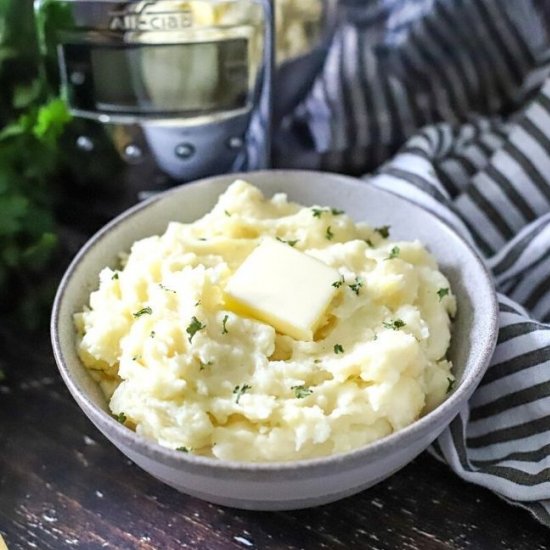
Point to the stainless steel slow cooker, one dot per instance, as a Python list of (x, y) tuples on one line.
[(169, 90)]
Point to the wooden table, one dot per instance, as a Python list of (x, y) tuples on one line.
[(63, 485)]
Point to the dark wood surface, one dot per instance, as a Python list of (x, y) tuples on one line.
[(62, 485)]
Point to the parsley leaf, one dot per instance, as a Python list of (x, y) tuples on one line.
[(152, 334), (194, 327), (239, 391), (317, 212), (442, 292), (114, 277), (338, 349), (370, 243), (224, 323), (396, 324), (121, 417), (290, 242), (145, 311), (30, 159), (329, 235), (183, 449), (356, 286), (338, 284), (228, 214), (383, 231), (301, 391), (394, 253)]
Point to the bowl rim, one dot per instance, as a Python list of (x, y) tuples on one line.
[(130, 439)]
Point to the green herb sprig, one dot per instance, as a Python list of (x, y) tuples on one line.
[(291, 243), (442, 292), (318, 212), (239, 391), (224, 325), (144, 311), (301, 391), (194, 327), (396, 324), (121, 417), (383, 231), (338, 284), (394, 253), (357, 285)]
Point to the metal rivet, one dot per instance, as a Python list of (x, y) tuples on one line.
[(132, 152), (184, 151), (85, 144), (235, 142)]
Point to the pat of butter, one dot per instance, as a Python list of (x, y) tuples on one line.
[(283, 287)]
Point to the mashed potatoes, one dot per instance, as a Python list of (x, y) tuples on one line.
[(183, 369)]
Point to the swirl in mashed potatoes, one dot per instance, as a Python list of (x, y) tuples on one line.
[(182, 368)]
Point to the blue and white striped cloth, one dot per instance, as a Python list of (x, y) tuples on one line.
[(448, 101)]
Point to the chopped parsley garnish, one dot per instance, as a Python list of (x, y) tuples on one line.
[(228, 214), (338, 349), (198, 303), (152, 334), (394, 253), (369, 242), (301, 391), (204, 365), (338, 284), (136, 358), (317, 361), (396, 324), (120, 417), (166, 288), (183, 449), (290, 242), (224, 325), (239, 391), (356, 286), (145, 311), (114, 277), (194, 327), (383, 231), (451, 385), (317, 212), (329, 235), (442, 292)]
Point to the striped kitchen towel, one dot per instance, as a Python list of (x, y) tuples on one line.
[(461, 89)]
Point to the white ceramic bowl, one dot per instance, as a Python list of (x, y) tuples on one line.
[(284, 486)]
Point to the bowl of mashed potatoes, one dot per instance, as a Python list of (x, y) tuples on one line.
[(276, 340)]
